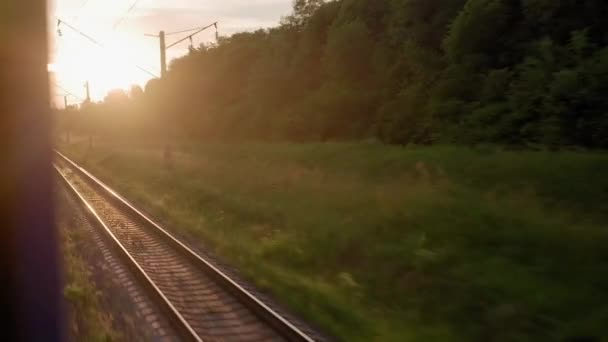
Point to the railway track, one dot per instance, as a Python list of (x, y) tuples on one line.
[(201, 302)]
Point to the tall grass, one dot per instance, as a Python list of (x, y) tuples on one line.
[(394, 244), (88, 321)]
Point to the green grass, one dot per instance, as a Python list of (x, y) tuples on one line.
[(393, 244), (88, 321)]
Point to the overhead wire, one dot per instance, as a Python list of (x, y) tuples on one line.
[(125, 15), (183, 31), (89, 38), (192, 35), (96, 42), (68, 92), (84, 3), (80, 8), (133, 5)]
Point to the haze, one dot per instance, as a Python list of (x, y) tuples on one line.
[(75, 60)]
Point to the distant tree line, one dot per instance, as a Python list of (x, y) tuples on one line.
[(521, 72)]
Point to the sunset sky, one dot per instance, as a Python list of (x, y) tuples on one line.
[(74, 59)]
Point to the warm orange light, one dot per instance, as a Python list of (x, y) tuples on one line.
[(114, 66), (76, 60)]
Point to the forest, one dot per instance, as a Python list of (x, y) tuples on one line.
[(525, 73)]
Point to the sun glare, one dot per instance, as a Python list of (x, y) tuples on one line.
[(76, 59), (105, 69)]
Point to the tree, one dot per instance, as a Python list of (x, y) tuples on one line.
[(136, 92), (302, 11), (405, 71), (348, 53), (116, 96)]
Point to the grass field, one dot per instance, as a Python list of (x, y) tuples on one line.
[(393, 244), (87, 320)]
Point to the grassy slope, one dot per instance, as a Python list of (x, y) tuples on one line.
[(88, 321), (393, 244)]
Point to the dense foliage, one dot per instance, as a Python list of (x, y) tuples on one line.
[(522, 72)]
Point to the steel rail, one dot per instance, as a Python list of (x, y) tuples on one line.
[(178, 322), (268, 315)]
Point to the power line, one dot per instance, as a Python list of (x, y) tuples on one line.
[(84, 3), (193, 34), (163, 48), (79, 10), (183, 31), (125, 15), (68, 92), (96, 42), (89, 38)]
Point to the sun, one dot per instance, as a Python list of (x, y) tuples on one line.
[(117, 58), (111, 67)]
